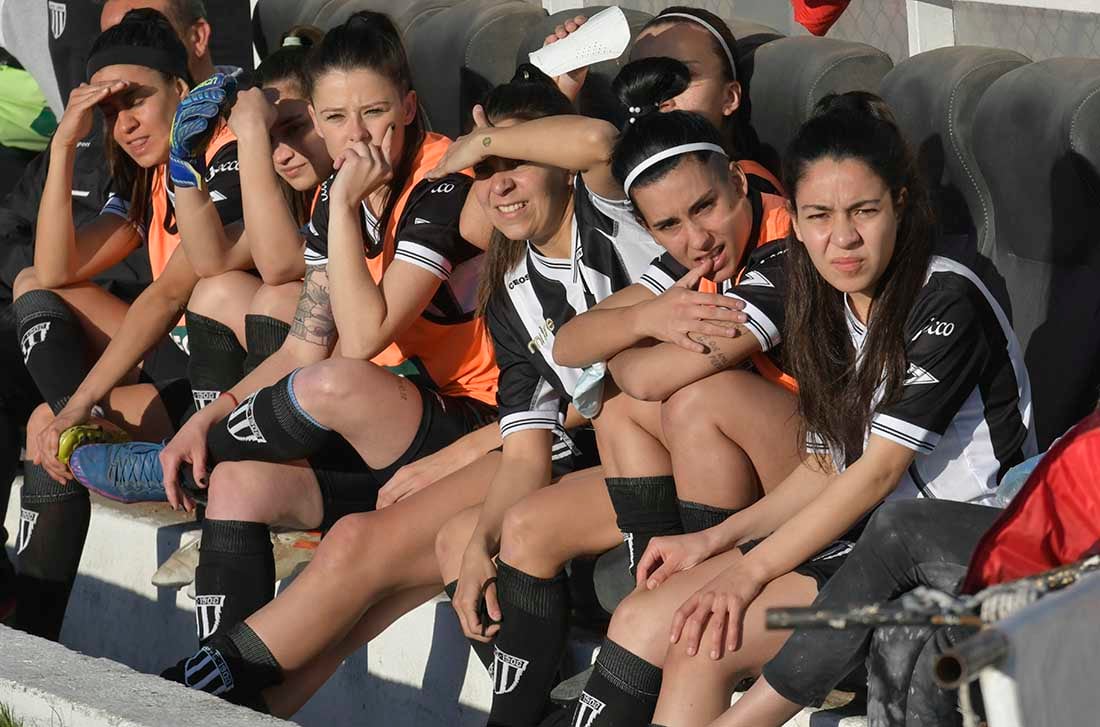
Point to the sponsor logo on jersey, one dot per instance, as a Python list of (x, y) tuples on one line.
[(542, 335), (916, 375), (588, 709), (208, 615), (444, 188), (34, 336), (506, 671), (518, 281), (208, 671), (754, 277), (27, 519), (204, 397), (242, 422), (58, 15), (936, 328), (421, 221), (324, 191), (233, 166)]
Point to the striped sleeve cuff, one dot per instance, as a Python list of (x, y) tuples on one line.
[(904, 433), (424, 257), (760, 325), (521, 420), (119, 207), (656, 280)]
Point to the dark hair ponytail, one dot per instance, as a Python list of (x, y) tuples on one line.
[(141, 28), (836, 389), (370, 40), (647, 83), (652, 133), (530, 95)]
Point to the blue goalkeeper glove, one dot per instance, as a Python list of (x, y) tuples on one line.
[(194, 124)]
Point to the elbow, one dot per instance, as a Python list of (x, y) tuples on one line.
[(207, 267), (45, 278), (280, 273), (601, 138)]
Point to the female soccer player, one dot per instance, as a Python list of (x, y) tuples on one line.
[(582, 247), (911, 384), (138, 76)]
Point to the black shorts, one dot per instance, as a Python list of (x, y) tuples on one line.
[(822, 566), (348, 485)]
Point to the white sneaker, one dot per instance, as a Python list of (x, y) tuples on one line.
[(179, 569)]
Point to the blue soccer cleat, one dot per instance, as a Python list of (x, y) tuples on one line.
[(127, 472)]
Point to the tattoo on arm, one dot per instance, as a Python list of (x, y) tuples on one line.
[(719, 361), (486, 141), (313, 321)]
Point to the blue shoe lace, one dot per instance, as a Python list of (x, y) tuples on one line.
[(135, 471)]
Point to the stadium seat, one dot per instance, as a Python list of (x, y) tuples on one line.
[(933, 95), (1038, 146), (460, 53), (596, 98), (789, 75)]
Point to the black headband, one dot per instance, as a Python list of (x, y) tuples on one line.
[(158, 59)]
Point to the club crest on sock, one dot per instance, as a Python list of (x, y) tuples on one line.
[(242, 422), (588, 709), (506, 671), (27, 519), (207, 671), (204, 397), (628, 538), (32, 337), (208, 615)]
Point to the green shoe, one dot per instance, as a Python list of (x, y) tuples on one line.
[(82, 434)]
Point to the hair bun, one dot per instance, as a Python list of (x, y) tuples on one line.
[(530, 73), (643, 85), (862, 103), (301, 36)]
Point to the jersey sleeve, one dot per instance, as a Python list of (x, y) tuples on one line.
[(118, 205), (429, 236), (525, 399), (946, 350), (662, 274), (223, 182), (762, 287), (315, 231)]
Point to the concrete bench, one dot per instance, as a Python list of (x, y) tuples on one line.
[(419, 672)]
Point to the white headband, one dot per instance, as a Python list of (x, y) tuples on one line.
[(668, 154), (712, 30)]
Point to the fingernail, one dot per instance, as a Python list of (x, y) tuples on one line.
[(691, 652), (714, 654)]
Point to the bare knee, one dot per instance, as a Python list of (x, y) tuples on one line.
[(25, 281), (527, 541), (703, 668), (641, 626), (346, 545), (216, 297), (331, 385), (276, 301)]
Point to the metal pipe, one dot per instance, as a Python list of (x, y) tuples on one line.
[(961, 664)]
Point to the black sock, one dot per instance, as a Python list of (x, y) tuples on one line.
[(235, 576), (534, 616), (697, 517), (264, 336), (645, 507), (268, 426), (53, 345), (484, 651), (216, 362), (53, 524), (621, 692), (235, 666)]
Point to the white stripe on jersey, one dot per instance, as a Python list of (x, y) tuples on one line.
[(423, 257)]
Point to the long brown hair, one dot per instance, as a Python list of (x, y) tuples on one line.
[(528, 96), (370, 40), (836, 388)]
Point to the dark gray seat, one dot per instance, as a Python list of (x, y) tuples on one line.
[(789, 75), (596, 98), (461, 52), (1037, 143), (934, 95)]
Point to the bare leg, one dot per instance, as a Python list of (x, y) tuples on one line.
[(225, 298), (630, 438), (697, 689), (330, 597), (276, 301), (729, 434), (283, 493), (761, 706)]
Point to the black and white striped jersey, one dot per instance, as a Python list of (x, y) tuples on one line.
[(965, 407), (427, 235), (539, 295)]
